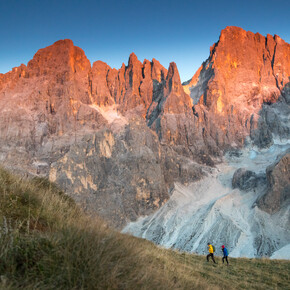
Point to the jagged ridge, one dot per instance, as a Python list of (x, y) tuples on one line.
[(48, 106)]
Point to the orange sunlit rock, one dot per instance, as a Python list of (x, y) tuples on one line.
[(244, 70), (59, 91)]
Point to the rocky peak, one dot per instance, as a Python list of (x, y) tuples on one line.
[(244, 71), (100, 93), (159, 72), (99, 67), (136, 84), (133, 74), (10, 79), (146, 69), (170, 102), (267, 57), (61, 56), (133, 59), (173, 81), (232, 32)]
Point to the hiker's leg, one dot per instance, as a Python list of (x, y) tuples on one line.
[(213, 259), (207, 257), (227, 259), (223, 259)]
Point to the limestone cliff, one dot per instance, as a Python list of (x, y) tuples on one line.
[(123, 175), (243, 72), (63, 118)]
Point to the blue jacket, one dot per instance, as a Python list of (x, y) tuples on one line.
[(225, 251)]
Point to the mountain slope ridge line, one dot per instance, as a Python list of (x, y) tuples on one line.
[(58, 119)]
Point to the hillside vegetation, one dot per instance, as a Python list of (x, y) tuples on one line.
[(47, 242)]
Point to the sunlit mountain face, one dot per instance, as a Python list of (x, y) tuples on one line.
[(179, 164)]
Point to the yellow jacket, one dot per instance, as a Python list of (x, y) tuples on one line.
[(210, 249)]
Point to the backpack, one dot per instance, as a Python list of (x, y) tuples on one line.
[(213, 248)]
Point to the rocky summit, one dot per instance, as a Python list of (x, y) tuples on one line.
[(244, 72), (119, 140)]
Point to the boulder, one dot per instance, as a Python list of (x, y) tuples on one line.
[(244, 179), (278, 183)]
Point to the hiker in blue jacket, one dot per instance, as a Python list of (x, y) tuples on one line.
[(225, 252)]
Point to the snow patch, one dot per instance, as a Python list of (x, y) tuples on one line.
[(283, 253), (111, 115)]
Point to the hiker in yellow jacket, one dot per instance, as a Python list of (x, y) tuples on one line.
[(211, 251)]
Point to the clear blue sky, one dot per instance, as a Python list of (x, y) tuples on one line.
[(109, 30)]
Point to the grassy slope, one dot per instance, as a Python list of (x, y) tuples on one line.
[(47, 242)]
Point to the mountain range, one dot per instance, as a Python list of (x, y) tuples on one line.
[(123, 142)]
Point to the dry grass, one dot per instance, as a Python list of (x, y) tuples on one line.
[(47, 242)]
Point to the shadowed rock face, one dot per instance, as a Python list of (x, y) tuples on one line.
[(117, 175), (278, 180), (244, 179), (53, 110), (122, 175), (169, 110), (273, 121)]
